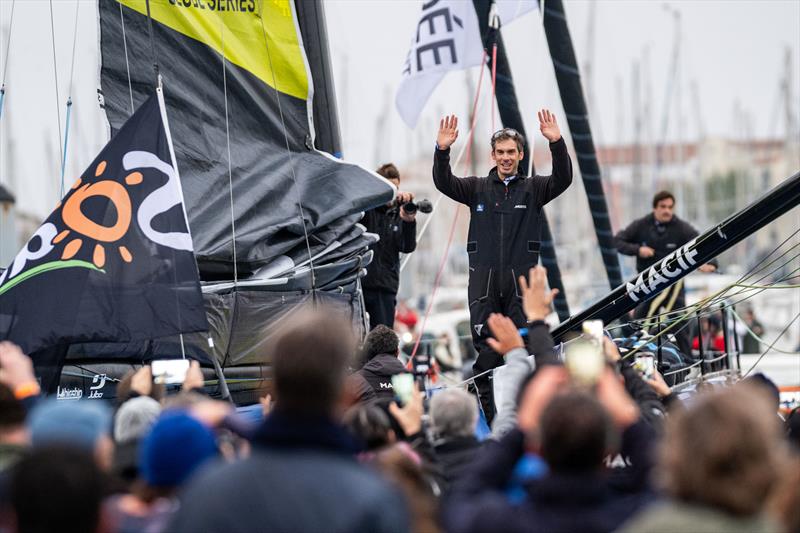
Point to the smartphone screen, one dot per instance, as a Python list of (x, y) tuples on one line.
[(584, 361), (645, 364), (403, 386), (169, 371)]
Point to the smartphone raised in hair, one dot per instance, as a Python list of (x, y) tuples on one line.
[(169, 371)]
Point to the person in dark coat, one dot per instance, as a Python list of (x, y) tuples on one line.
[(504, 229), (454, 415), (397, 229), (381, 348), (571, 431), (650, 239), (302, 474)]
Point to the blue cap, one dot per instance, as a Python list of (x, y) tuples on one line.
[(71, 423), (176, 445)]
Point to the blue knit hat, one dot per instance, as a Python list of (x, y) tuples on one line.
[(176, 445), (73, 423)]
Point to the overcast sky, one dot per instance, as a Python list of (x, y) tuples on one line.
[(734, 51)]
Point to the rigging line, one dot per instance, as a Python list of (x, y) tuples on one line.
[(790, 275), (767, 287), (668, 314), (125, 47), (5, 60), (457, 162), (74, 44), (663, 331), (742, 291), (55, 75), (437, 280), (755, 269), (446, 252), (69, 97), (756, 337), (701, 311), (153, 55), (291, 162), (474, 118), (228, 139), (770, 347), (494, 81)]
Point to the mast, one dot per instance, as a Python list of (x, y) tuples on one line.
[(311, 20), (511, 117), (689, 257), (569, 85)]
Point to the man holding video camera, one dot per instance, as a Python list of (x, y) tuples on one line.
[(396, 225)]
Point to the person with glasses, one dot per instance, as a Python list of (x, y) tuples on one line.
[(504, 229)]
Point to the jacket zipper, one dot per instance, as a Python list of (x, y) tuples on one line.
[(502, 240)]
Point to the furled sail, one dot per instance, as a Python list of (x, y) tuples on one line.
[(235, 74)]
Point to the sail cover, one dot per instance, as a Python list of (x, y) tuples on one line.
[(257, 101)]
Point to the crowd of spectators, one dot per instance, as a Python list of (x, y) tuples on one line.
[(337, 450)]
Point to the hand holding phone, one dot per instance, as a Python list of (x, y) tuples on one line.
[(403, 386), (169, 371)]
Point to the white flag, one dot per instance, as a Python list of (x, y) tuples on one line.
[(447, 37)]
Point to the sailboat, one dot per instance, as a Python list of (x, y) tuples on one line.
[(273, 213)]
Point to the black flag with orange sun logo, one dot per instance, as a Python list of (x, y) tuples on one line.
[(114, 261)]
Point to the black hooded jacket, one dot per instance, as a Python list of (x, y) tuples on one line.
[(378, 372), (396, 236)]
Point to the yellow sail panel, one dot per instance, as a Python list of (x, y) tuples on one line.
[(244, 24)]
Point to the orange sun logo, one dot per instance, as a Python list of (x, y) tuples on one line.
[(76, 221)]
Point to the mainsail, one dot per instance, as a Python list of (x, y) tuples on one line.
[(234, 78), (273, 219)]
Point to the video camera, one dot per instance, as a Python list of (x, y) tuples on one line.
[(423, 206)]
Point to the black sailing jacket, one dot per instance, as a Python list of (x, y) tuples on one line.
[(397, 236), (664, 238), (504, 228)]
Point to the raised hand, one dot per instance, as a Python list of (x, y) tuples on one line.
[(448, 132), (548, 125), (506, 334), (536, 299)]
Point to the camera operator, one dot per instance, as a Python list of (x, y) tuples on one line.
[(396, 225)]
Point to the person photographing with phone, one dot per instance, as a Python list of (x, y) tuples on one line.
[(505, 226)]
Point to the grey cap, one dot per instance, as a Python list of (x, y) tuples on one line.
[(135, 418)]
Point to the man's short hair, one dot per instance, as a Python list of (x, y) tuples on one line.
[(310, 357), (508, 133), (454, 413), (725, 451), (576, 433), (662, 195), (54, 487), (381, 339), (389, 171)]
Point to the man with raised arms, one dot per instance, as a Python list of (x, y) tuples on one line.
[(505, 226)]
